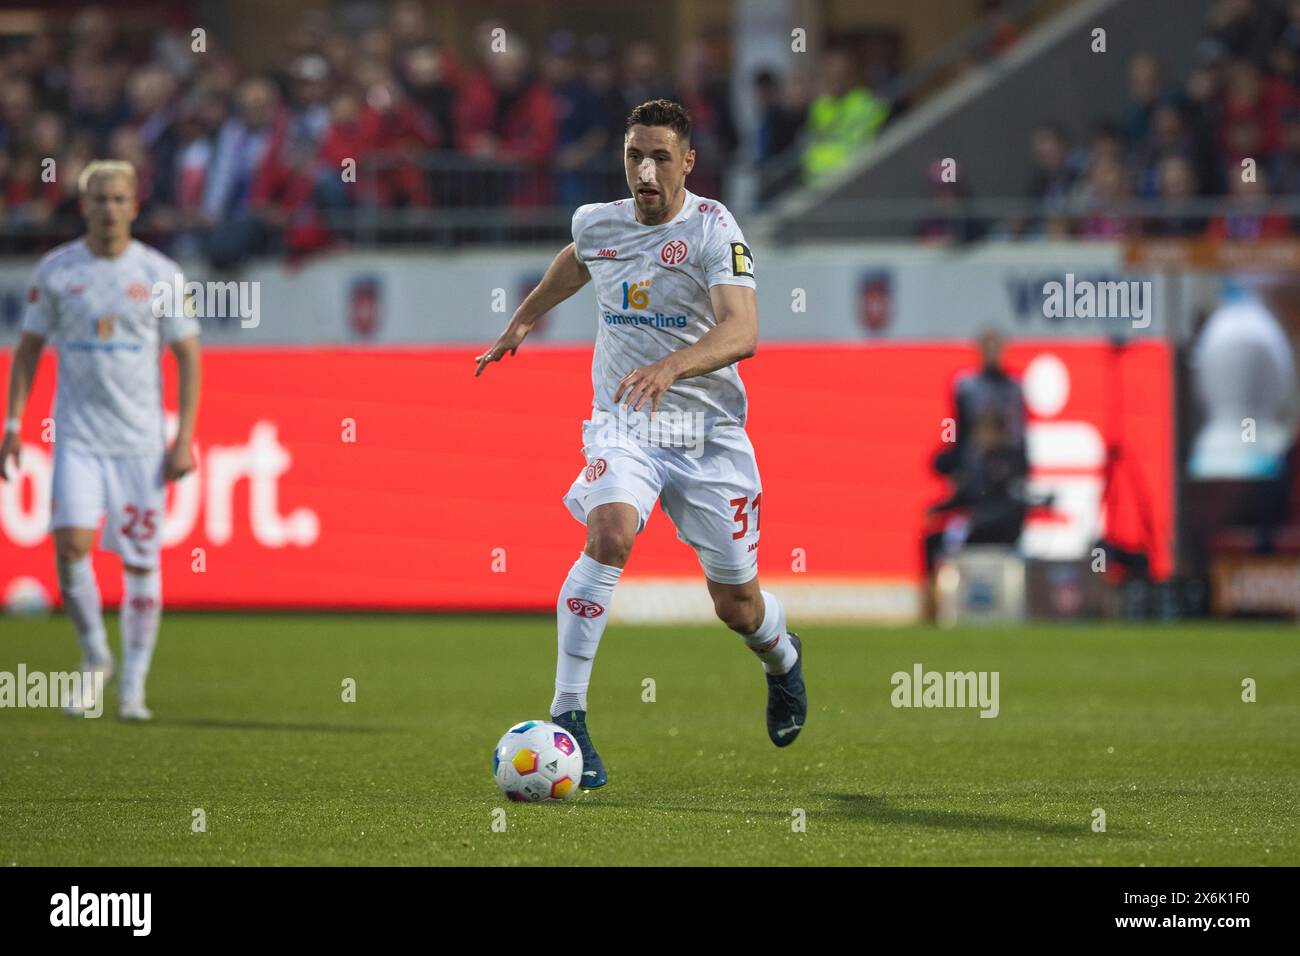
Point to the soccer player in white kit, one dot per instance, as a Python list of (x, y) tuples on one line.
[(675, 287), (93, 300)]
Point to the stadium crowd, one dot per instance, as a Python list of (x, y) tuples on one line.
[(1184, 137), (232, 164)]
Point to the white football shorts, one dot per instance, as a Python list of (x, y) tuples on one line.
[(127, 493), (712, 500)]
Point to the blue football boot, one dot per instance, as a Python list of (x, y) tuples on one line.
[(787, 700), (593, 769)]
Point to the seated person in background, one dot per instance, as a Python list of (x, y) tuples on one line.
[(990, 487), (990, 390)]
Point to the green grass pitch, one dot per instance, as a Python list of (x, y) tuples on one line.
[(1146, 723)]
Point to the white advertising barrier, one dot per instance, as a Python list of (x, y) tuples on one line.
[(839, 292)]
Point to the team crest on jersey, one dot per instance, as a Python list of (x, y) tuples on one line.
[(584, 608), (742, 263), (595, 469), (104, 326), (137, 292), (673, 252), (33, 294)]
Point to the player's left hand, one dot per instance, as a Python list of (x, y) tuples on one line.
[(648, 381), (179, 462)]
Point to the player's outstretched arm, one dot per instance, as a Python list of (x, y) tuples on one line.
[(735, 337), (189, 376), (565, 276), (21, 374)]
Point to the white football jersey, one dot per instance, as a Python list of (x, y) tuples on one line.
[(97, 313), (652, 291)]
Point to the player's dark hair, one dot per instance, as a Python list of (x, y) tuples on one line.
[(662, 113)]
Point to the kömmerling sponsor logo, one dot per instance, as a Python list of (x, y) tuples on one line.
[(923, 688), (103, 909), (84, 690)]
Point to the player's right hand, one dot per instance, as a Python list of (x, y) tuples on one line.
[(508, 342), (11, 447)]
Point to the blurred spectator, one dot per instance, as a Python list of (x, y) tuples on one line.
[(644, 77), (248, 176), (601, 70), (1054, 172), (602, 74), (1002, 31), (707, 98), (1284, 170), (1052, 181), (1145, 89), (385, 133), (842, 121), (1250, 218), (431, 75), (1244, 28), (951, 225), (505, 114), (410, 27), (98, 106), (199, 117), (1176, 181), (1285, 56), (1106, 187), (989, 487), (308, 103), (991, 390), (780, 120), (1252, 106), (583, 134), (151, 93)]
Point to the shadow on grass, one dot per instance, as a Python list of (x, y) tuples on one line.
[(868, 808), (211, 724), (591, 800), (877, 809)]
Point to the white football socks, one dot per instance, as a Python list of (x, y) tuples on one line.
[(82, 603), (771, 642), (581, 614), (140, 616)]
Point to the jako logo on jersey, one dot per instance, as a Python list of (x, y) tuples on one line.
[(673, 252), (585, 608), (607, 254), (595, 469), (636, 295)]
